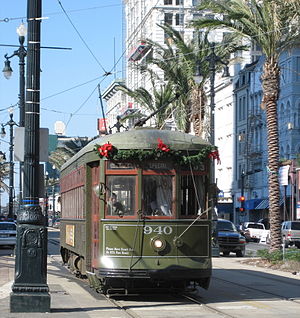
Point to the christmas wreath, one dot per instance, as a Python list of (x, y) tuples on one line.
[(162, 151)]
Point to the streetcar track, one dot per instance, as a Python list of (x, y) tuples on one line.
[(128, 310), (210, 308), (131, 313)]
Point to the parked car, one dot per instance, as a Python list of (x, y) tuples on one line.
[(229, 239), (8, 232), (265, 222), (290, 233), (253, 231)]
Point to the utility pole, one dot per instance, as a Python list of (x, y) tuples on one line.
[(11, 194), (30, 292), (7, 71)]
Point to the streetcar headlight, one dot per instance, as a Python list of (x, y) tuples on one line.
[(158, 244), (107, 262)]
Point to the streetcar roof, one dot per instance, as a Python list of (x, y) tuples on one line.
[(144, 138)]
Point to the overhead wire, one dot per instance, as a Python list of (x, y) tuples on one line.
[(58, 13), (86, 100), (105, 72), (80, 36), (115, 64)]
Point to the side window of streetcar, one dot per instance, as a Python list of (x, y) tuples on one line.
[(193, 195), (157, 195), (120, 196)]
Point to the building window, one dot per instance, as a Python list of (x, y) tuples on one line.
[(298, 69), (168, 2), (179, 2), (179, 19), (168, 18)]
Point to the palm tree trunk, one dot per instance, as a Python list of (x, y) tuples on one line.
[(270, 84), (198, 109)]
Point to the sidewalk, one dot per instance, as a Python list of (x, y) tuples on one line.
[(67, 296)]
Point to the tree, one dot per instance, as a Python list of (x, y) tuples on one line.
[(274, 26), (4, 173), (66, 149), (177, 59), (162, 96)]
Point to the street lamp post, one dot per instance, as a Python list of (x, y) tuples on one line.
[(2, 163), (30, 292), (46, 198), (7, 72), (11, 123), (212, 60)]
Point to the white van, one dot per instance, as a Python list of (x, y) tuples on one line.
[(290, 233)]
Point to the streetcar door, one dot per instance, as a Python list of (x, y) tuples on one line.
[(94, 208)]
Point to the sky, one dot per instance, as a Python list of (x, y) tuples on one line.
[(69, 78)]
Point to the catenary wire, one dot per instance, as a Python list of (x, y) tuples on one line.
[(80, 36), (58, 13)]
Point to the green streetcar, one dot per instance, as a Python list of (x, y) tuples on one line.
[(136, 211)]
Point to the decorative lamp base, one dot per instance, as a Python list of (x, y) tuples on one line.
[(30, 302)]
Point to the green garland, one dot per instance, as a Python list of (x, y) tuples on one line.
[(180, 157)]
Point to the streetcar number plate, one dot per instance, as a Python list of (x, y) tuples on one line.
[(158, 230)]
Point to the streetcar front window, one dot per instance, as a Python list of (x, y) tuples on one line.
[(193, 195), (120, 195), (157, 195)]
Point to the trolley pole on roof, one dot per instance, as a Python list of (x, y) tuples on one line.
[(30, 292)]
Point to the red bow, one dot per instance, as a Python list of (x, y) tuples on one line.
[(215, 156), (105, 150), (162, 146)]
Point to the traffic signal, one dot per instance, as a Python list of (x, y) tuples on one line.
[(242, 200)]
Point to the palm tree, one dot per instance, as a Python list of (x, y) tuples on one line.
[(4, 173), (161, 96), (177, 59), (274, 26), (66, 150)]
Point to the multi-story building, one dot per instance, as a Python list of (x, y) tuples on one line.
[(143, 18), (251, 138), (116, 106)]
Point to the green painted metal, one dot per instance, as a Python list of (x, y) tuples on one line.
[(139, 138), (128, 243)]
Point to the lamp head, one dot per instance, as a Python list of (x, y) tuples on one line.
[(198, 77), (7, 70), (3, 132), (226, 71), (2, 156), (22, 30)]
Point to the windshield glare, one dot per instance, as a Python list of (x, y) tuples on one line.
[(225, 226)]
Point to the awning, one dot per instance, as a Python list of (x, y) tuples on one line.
[(252, 203), (264, 204)]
